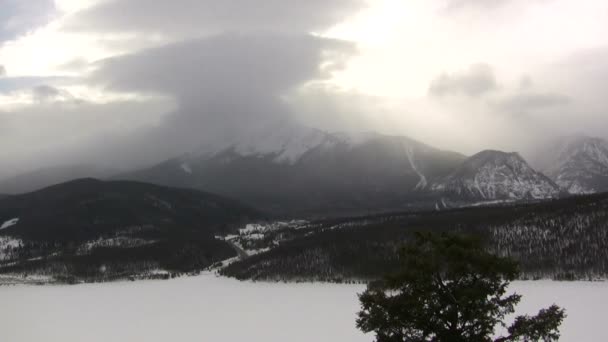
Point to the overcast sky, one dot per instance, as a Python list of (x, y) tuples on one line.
[(131, 82)]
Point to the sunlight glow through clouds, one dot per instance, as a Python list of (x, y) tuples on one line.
[(52, 51), (404, 45)]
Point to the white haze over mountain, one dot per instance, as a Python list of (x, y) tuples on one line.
[(132, 82)]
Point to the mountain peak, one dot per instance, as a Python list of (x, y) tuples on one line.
[(286, 143), (579, 164), (495, 175)]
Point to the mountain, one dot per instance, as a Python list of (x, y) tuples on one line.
[(124, 228), (35, 180), (494, 175), (579, 164), (299, 170)]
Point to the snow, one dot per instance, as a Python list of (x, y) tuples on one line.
[(9, 223), (203, 308), (207, 308), (10, 242), (20, 279), (252, 227), (584, 303), (575, 188), (272, 226), (409, 151), (575, 161), (353, 139), (120, 241), (7, 245), (186, 168), (256, 236), (492, 175), (287, 143)]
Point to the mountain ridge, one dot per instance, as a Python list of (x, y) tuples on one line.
[(579, 164), (497, 175), (311, 171), (295, 170)]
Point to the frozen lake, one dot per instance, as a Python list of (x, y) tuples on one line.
[(206, 308)]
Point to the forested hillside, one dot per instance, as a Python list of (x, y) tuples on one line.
[(93, 230), (563, 239)]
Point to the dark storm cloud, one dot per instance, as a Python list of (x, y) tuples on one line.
[(18, 17), (223, 64), (224, 86), (476, 81), (196, 16), (234, 78)]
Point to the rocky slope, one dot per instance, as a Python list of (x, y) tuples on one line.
[(495, 175), (578, 164)]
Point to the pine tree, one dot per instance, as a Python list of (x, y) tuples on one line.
[(450, 289)]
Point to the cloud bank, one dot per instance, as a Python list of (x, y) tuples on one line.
[(219, 69), (134, 82)]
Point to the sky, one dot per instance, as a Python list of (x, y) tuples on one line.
[(132, 82)]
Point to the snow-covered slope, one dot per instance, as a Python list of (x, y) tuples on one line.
[(9, 223), (282, 143), (286, 144), (495, 175), (578, 164)]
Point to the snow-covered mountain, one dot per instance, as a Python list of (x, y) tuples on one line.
[(296, 169), (494, 175), (579, 164), (284, 168), (292, 169)]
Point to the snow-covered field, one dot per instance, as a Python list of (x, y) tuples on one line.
[(207, 308)]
